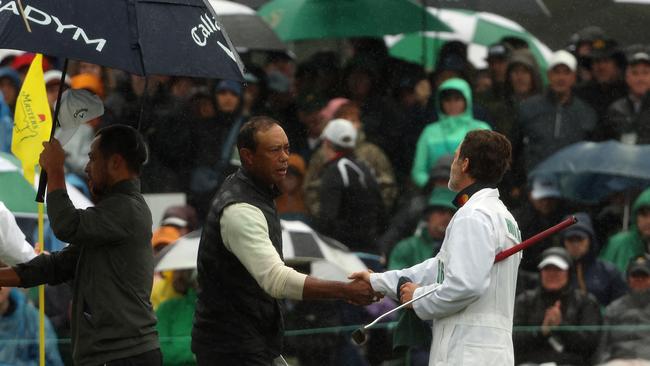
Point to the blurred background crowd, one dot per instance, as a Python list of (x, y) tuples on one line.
[(405, 120)]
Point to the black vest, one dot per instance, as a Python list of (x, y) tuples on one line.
[(233, 313)]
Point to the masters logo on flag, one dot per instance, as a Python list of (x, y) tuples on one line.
[(33, 119)]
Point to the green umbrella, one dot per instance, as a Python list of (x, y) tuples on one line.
[(295, 20), (477, 29), (16, 193)]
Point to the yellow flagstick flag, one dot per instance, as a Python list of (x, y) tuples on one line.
[(32, 120), (33, 126)]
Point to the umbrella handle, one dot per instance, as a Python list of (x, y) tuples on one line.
[(42, 179)]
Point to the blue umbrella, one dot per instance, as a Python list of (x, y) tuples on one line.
[(144, 37), (591, 171)]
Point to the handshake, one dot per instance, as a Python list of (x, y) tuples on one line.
[(360, 292)]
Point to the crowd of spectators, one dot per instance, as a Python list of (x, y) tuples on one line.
[(371, 138)]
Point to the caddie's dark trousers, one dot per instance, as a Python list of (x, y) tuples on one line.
[(149, 358), (230, 359)]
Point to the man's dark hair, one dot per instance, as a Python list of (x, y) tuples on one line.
[(126, 141), (246, 138), (489, 154)]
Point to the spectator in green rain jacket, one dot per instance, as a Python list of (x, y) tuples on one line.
[(445, 135), (634, 242)]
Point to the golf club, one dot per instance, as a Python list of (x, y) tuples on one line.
[(359, 336)]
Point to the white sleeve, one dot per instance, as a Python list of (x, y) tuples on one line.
[(471, 247), (423, 274), (246, 234), (14, 249)]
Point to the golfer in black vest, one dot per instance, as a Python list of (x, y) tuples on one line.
[(241, 272)]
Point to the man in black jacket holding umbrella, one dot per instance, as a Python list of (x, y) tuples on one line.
[(109, 259)]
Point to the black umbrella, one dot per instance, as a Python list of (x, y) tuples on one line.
[(144, 37)]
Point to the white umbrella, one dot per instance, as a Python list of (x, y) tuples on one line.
[(328, 259), (18, 195), (477, 29)]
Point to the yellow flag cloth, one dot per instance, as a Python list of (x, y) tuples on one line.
[(32, 120)]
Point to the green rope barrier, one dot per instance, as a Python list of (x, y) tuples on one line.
[(388, 325)]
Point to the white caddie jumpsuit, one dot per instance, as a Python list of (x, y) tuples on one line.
[(472, 307)]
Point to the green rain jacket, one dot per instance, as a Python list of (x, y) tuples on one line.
[(625, 245), (442, 137)]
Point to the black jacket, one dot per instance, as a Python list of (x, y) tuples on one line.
[(233, 313), (577, 309), (547, 126), (351, 207), (622, 118), (111, 262)]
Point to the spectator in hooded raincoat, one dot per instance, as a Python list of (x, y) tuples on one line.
[(591, 274), (445, 135), (628, 244)]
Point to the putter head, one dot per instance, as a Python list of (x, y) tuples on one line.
[(360, 336)]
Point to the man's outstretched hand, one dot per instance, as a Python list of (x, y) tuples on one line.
[(359, 291)]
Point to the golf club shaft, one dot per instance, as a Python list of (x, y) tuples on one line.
[(400, 307), (498, 258)]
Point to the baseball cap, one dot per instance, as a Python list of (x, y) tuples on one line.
[(78, 106), (639, 57), (55, 75), (563, 57), (88, 81), (557, 257), (180, 216), (341, 133), (545, 187), (165, 235), (441, 198), (639, 266), (577, 232), (228, 85), (497, 50), (25, 60)]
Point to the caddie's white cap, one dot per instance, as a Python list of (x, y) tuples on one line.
[(563, 57), (77, 106), (341, 133)]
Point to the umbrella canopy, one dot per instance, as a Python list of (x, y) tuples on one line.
[(295, 20), (591, 171), (477, 29), (301, 245), (18, 195), (144, 37), (329, 259), (246, 29)]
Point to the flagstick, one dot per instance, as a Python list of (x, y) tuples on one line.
[(22, 15), (41, 292)]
